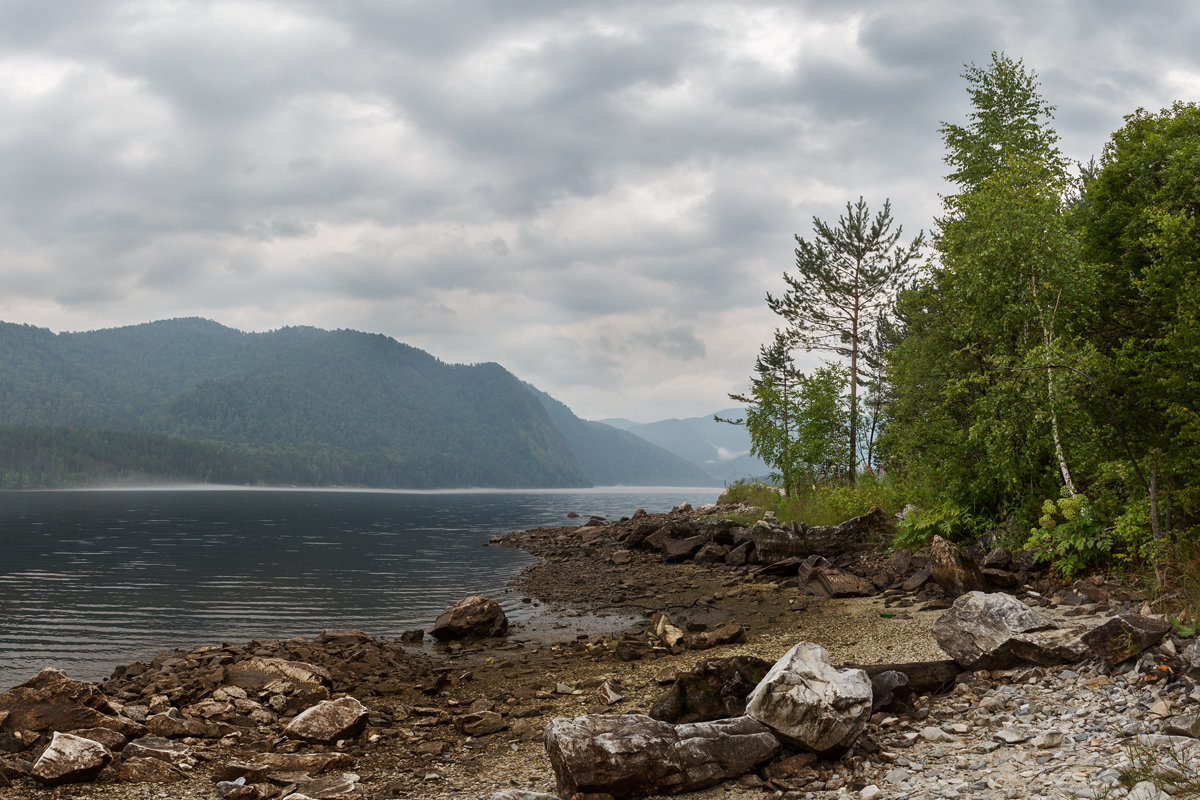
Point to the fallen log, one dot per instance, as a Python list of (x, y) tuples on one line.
[(924, 677)]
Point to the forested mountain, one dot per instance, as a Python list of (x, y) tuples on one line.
[(720, 449), (189, 399), (612, 456)]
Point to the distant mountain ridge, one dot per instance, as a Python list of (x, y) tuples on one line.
[(302, 405), (720, 449)]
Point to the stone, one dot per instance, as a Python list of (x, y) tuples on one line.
[(952, 569), (482, 723), (632, 754), (713, 689), (791, 773), (890, 691), (991, 631), (823, 579), (607, 694), (329, 720), (181, 755), (149, 770), (662, 629), (997, 558), (1011, 735), (256, 674), (473, 617), (917, 580), (1124, 636), (335, 788), (711, 553), (70, 759), (809, 702), (728, 632), (258, 766), (51, 702), (674, 550), (1183, 725), (740, 555), (522, 794)]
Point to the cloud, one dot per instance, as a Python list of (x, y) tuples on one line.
[(597, 195)]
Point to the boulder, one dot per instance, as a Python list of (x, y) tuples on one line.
[(824, 579), (257, 674), (50, 702), (1124, 636), (952, 569), (474, 617), (329, 720), (675, 550), (810, 703), (70, 759), (713, 689), (991, 631), (740, 555), (712, 552), (631, 754)]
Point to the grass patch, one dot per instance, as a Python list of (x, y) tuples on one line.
[(819, 505)]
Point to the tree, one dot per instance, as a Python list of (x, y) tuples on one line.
[(844, 278), (1008, 120), (772, 411), (978, 396)]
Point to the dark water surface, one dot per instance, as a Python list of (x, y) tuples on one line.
[(92, 579)]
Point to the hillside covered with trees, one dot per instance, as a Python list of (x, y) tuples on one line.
[(192, 400), (1039, 375)]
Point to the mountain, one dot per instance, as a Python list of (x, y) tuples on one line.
[(720, 449), (189, 399), (611, 456)]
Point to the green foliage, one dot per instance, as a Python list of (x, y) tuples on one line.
[(948, 520), (845, 278), (830, 505), (1069, 536)]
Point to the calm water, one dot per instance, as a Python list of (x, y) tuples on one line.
[(92, 579)]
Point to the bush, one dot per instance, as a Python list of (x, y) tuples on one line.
[(1070, 536), (948, 520)]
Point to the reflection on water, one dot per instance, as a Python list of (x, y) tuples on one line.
[(91, 579)]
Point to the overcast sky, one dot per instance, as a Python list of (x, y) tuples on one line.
[(596, 195)]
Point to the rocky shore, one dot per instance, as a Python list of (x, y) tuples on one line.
[(346, 715)]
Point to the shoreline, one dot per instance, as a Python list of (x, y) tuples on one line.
[(423, 739)]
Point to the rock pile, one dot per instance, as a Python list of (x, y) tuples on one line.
[(817, 712), (246, 711)]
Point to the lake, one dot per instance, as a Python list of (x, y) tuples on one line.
[(93, 579)]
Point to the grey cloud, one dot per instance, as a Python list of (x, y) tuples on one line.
[(623, 173)]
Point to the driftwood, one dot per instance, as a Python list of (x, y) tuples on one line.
[(924, 677)]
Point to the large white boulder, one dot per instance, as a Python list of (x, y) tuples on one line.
[(809, 702)]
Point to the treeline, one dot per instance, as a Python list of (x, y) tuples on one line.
[(44, 458), (296, 406), (1042, 372)]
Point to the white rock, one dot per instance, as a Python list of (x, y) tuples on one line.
[(809, 702), (870, 792)]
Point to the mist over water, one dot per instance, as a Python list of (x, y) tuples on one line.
[(93, 579)]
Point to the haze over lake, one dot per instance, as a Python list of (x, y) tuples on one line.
[(93, 579)]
